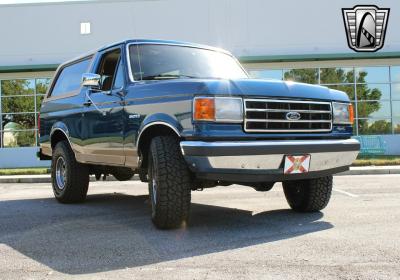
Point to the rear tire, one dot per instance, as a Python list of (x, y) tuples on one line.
[(169, 183), (70, 179), (308, 195)]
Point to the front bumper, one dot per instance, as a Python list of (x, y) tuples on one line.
[(262, 161)]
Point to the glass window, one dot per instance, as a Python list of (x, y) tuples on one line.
[(17, 87), (373, 91), (374, 127), (13, 138), (158, 62), (395, 74), (396, 91), (349, 89), (18, 121), (42, 85), (18, 104), (308, 75), (336, 75), (396, 126), (266, 74), (396, 109), (373, 109), (106, 70), (372, 74), (119, 77), (69, 79)]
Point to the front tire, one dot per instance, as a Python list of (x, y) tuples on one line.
[(169, 183), (308, 195), (70, 179)]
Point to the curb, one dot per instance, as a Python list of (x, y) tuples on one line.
[(29, 179)]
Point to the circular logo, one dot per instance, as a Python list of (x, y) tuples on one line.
[(293, 116)]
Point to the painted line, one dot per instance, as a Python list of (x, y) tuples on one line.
[(346, 193)]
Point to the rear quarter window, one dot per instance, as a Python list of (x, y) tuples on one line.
[(69, 79)]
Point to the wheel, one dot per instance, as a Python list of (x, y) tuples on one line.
[(122, 174), (70, 179), (169, 183), (308, 195)]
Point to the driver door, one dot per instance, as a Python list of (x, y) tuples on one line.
[(103, 121)]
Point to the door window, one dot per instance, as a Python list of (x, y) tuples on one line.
[(107, 68), (119, 77)]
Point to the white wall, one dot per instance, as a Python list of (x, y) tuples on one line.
[(50, 33)]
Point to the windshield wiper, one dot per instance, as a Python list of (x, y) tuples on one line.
[(167, 76)]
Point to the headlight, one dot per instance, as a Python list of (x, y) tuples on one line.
[(218, 109), (343, 113)]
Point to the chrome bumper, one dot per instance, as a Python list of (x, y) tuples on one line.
[(266, 157)]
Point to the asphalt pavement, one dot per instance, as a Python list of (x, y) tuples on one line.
[(234, 233)]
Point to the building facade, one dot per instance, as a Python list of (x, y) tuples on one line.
[(301, 41)]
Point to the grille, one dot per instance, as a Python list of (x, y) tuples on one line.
[(270, 115)]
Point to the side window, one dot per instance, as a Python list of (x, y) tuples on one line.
[(119, 77), (107, 68), (69, 79)]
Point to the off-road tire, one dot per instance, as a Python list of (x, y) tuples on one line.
[(122, 174), (167, 168), (308, 195), (76, 174)]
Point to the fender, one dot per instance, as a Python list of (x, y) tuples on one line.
[(60, 126), (159, 119)]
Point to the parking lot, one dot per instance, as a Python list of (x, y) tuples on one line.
[(234, 233)]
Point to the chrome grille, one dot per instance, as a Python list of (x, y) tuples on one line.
[(271, 115)]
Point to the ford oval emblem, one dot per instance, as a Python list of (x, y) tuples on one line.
[(293, 116)]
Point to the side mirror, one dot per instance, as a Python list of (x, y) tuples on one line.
[(91, 80)]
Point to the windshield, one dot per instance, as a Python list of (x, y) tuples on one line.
[(157, 62)]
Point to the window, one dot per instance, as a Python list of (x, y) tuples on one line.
[(119, 77), (69, 80), (372, 74), (107, 68), (157, 62), (308, 75), (266, 74), (85, 28), (20, 101), (336, 75)]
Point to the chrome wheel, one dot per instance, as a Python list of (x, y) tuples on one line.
[(61, 173)]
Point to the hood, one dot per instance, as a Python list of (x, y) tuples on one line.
[(248, 88)]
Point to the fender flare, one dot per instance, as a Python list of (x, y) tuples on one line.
[(60, 126), (159, 119)]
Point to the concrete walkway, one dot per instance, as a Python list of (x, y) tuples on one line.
[(368, 170)]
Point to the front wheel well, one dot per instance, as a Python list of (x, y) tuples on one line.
[(145, 140)]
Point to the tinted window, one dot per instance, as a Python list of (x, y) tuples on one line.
[(70, 77)]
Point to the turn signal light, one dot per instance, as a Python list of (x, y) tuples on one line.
[(351, 113), (204, 109)]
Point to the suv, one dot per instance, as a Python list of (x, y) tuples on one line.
[(187, 117)]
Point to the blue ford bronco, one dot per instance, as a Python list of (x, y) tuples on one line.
[(186, 117)]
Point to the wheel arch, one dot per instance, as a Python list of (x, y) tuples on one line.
[(150, 130), (59, 132)]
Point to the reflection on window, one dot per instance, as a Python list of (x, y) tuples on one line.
[(396, 91), (18, 138), (266, 74), (308, 75), (372, 74), (373, 91), (18, 104), (396, 126), (373, 109), (396, 109), (18, 112), (336, 75), (17, 87), (370, 127)]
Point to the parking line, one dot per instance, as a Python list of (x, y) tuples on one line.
[(345, 193)]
